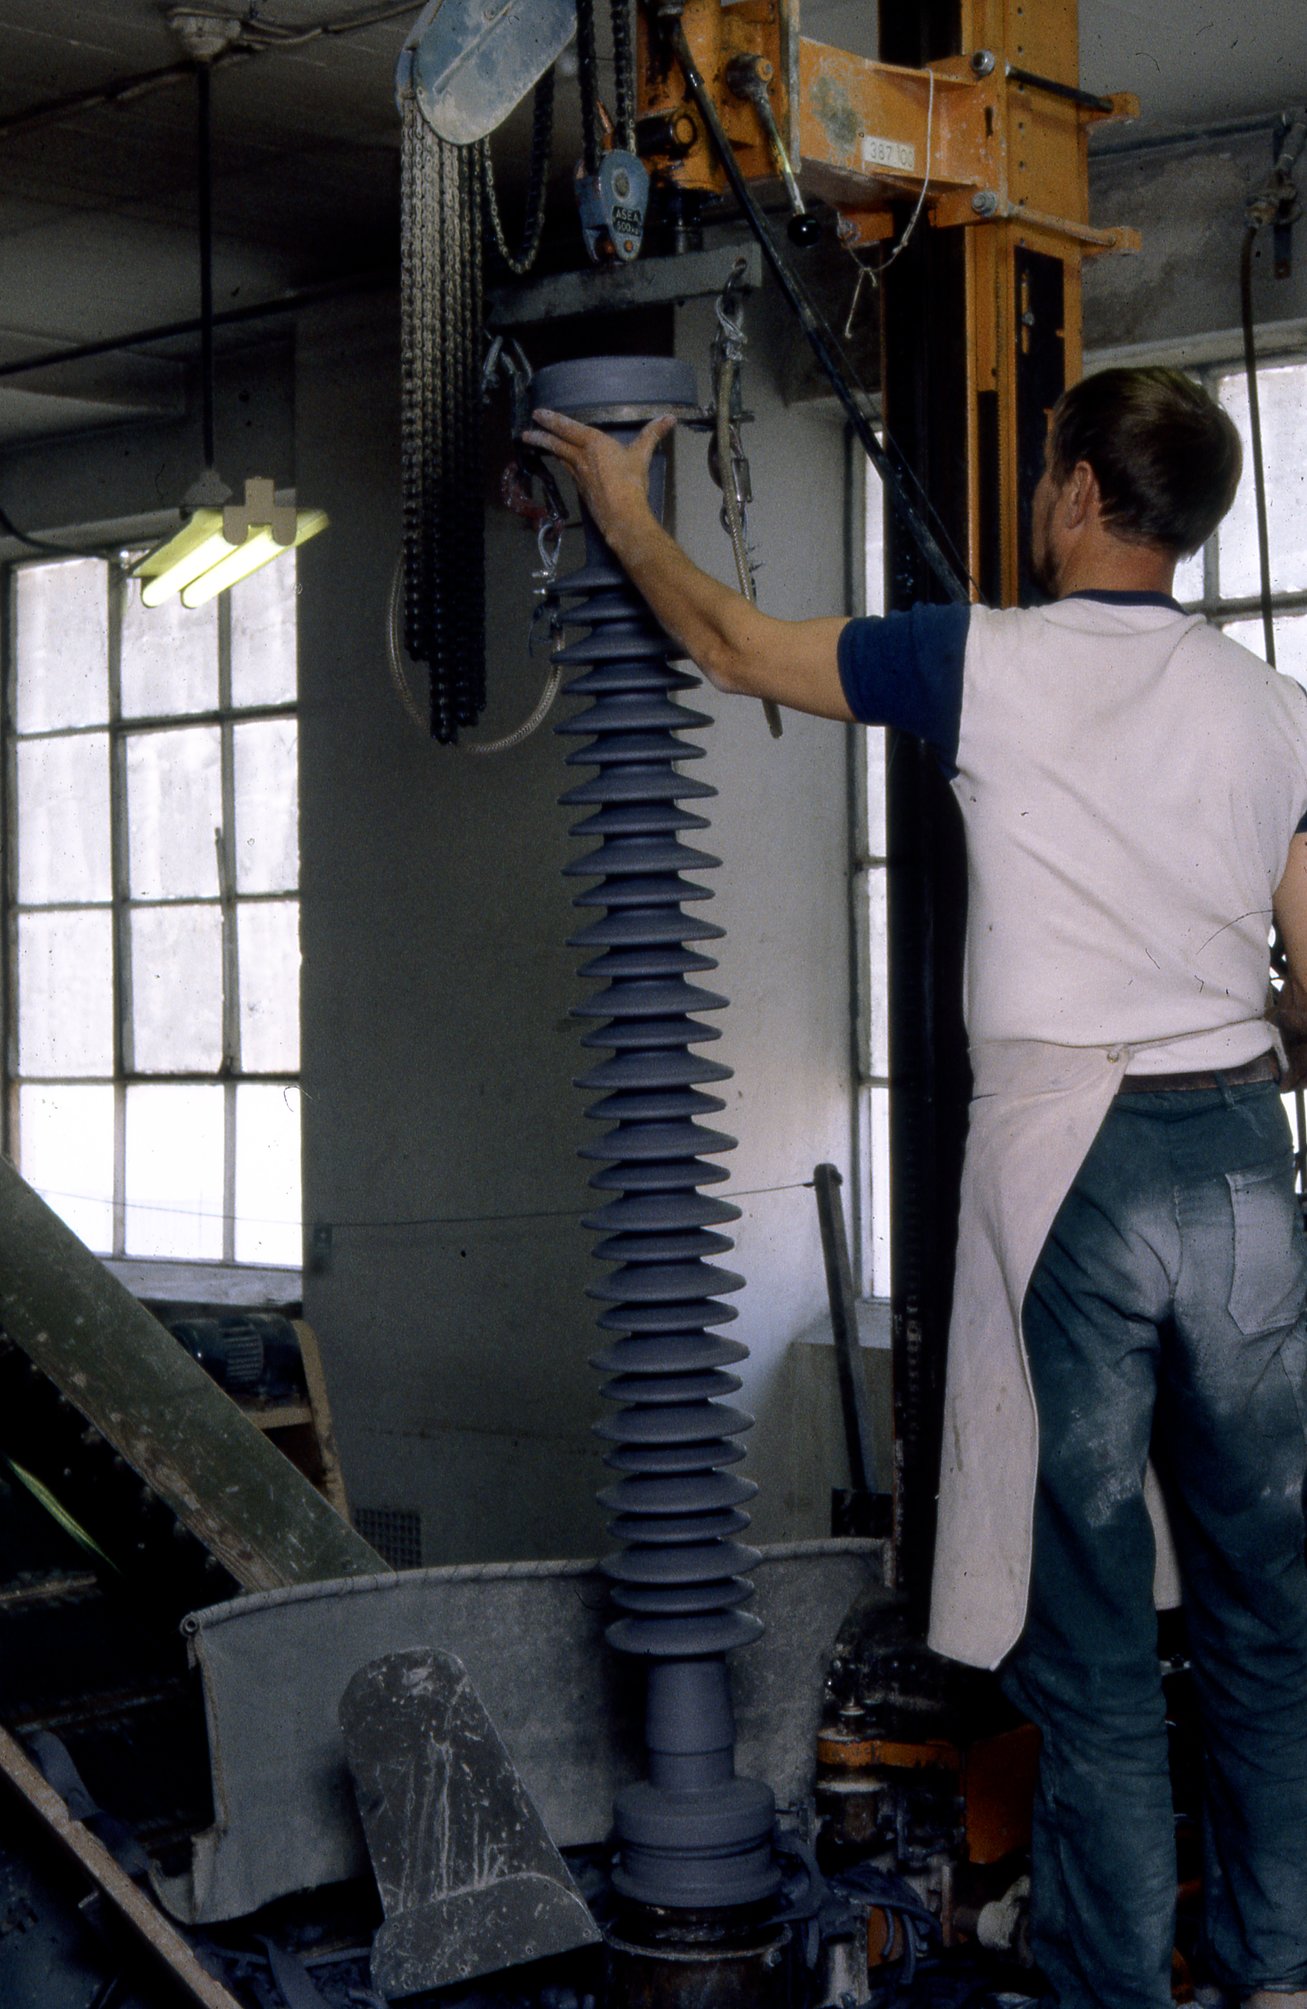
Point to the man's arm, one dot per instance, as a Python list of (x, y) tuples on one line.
[(794, 663), (1290, 1013)]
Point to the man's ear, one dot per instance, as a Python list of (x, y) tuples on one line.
[(1080, 496)]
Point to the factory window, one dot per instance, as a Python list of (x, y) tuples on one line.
[(871, 929), (1224, 579), (152, 938)]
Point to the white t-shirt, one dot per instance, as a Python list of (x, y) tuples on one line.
[(1130, 781)]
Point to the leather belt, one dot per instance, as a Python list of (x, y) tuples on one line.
[(1264, 1068)]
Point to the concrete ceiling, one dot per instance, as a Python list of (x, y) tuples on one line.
[(97, 204)]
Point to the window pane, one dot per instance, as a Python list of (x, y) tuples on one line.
[(1290, 642), (174, 806), (873, 753), (1189, 579), (65, 994), (63, 645), (267, 806), (66, 1140), (174, 1172), (268, 950), (873, 601), (878, 970), (880, 1263), (263, 668), (169, 657), (63, 819), (1282, 395), (177, 990), (268, 1174)]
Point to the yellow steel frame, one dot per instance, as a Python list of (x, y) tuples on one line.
[(1003, 160)]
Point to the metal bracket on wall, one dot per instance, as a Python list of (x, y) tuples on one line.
[(650, 282)]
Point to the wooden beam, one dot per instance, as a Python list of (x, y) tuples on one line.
[(127, 1375), (144, 1919)]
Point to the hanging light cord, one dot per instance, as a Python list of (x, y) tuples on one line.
[(204, 137)]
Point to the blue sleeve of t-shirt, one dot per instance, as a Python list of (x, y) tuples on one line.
[(905, 670)]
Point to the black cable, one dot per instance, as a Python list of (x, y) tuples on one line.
[(1255, 431), (168, 331), (203, 83), (126, 90), (11, 529), (45, 544)]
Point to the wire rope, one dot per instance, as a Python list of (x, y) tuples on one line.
[(1255, 435)]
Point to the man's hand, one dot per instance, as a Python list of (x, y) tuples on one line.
[(738, 648), (612, 479)]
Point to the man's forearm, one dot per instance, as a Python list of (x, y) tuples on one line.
[(736, 646), (714, 625)]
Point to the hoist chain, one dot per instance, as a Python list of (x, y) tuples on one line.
[(442, 341), (587, 58), (623, 112), (519, 262), (624, 64)]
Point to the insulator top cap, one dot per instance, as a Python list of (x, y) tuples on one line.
[(615, 384)]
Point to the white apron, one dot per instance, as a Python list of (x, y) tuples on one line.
[(1130, 782), (1037, 1110)]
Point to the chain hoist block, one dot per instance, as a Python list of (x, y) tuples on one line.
[(692, 1835), (611, 205), (467, 64)]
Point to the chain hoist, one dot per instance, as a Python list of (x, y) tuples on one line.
[(441, 357), (612, 182), (519, 262), (451, 96)]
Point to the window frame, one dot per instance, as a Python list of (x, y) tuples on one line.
[(868, 883), (226, 1279), (1208, 358), (1220, 612)]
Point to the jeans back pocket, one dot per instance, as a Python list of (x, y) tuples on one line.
[(1268, 1281)]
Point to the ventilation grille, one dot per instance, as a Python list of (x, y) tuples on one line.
[(394, 1532)]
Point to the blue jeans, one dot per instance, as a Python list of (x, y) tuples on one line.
[(1166, 1314)]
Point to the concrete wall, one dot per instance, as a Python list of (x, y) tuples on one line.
[(121, 474), (1181, 291), (440, 1121)]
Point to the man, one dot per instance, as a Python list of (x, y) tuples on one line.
[(1131, 1266)]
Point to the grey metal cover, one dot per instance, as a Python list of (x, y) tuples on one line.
[(469, 64), (275, 1665), (468, 1879)]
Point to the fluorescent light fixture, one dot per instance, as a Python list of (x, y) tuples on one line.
[(260, 548), (216, 547)]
